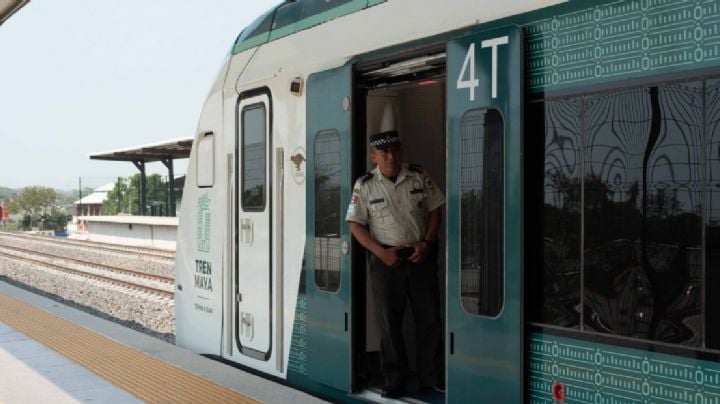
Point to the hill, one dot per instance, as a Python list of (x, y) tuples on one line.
[(7, 193)]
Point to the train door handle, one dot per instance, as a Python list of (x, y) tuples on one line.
[(246, 231)]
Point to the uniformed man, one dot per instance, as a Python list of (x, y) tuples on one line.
[(395, 213)]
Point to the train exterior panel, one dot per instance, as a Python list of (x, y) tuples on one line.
[(582, 270)]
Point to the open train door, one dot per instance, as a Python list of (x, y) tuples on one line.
[(485, 336), (328, 235)]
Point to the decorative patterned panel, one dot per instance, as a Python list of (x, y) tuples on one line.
[(622, 39), (298, 345), (604, 374)]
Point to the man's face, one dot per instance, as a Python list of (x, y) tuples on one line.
[(388, 160)]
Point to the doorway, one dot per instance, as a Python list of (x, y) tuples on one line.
[(403, 92)]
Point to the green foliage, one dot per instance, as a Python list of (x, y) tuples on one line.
[(57, 220), (157, 194), (10, 226), (125, 197), (34, 203), (118, 199), (134, 194), (26, 222)]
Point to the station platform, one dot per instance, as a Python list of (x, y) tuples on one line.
[(50, 352), (137, 231)]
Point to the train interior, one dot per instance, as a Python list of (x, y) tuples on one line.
[(407, 94)]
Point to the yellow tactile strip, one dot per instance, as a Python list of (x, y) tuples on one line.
[(146, 378)]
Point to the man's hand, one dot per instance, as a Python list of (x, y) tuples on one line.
[(421, 252), (389, 257)]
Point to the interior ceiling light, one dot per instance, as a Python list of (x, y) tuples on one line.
[(416, 65)]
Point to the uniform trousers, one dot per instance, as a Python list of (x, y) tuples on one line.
[(392, 288)]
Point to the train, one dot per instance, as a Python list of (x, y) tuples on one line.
[(578, 146)]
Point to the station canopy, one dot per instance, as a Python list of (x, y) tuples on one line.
[(169, 149), (10, 7), (165, 152)]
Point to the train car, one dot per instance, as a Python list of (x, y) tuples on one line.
[(578, 145)]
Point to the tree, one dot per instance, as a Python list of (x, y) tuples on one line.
[(156, 195), (118, 199), (34, 202), (57, 220), (125, 196)]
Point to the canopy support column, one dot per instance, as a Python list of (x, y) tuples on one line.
[(171, 185), (140, 164)]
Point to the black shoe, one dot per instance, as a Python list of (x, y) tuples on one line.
[(393, 391)]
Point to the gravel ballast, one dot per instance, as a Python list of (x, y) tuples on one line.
[(127, 260), (147, 313)]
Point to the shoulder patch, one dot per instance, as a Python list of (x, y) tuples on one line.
[(415, 168), (365, 177)]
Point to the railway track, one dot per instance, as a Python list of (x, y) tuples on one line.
[(109, 268), (92, 274), (142, 251)]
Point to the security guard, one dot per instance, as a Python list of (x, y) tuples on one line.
[(395, 213)]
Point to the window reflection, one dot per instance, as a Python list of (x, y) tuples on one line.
[(628, 168), (712, 222), (253, 158), (561, 238), (481, 228), (293, 12), (327, 210), (642, 213), (260, 26)]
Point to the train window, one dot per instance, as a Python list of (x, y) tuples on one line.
[(313, 7), (260, 26), (327, 210), (636, 170), (254, 130), (290, 13), (642, 213), (712, 214), (561, 201), (482, 216), (206, 161), (257, 33), (287, 14)]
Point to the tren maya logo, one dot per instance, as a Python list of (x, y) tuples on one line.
[(203, 223)]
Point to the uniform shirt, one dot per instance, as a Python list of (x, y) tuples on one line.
[(395, 212)]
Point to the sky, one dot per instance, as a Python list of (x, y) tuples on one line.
[(84, 76)]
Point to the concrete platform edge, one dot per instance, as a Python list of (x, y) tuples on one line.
[(219, 373)]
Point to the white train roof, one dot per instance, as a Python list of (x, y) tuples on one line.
[(331, 43)]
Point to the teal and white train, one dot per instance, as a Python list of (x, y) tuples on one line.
[(578, 144)]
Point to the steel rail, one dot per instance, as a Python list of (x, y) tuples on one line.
[(140, 274), (142, 251), (103, 278)]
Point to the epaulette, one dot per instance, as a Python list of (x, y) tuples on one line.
[(415, 168), (365, 177)]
